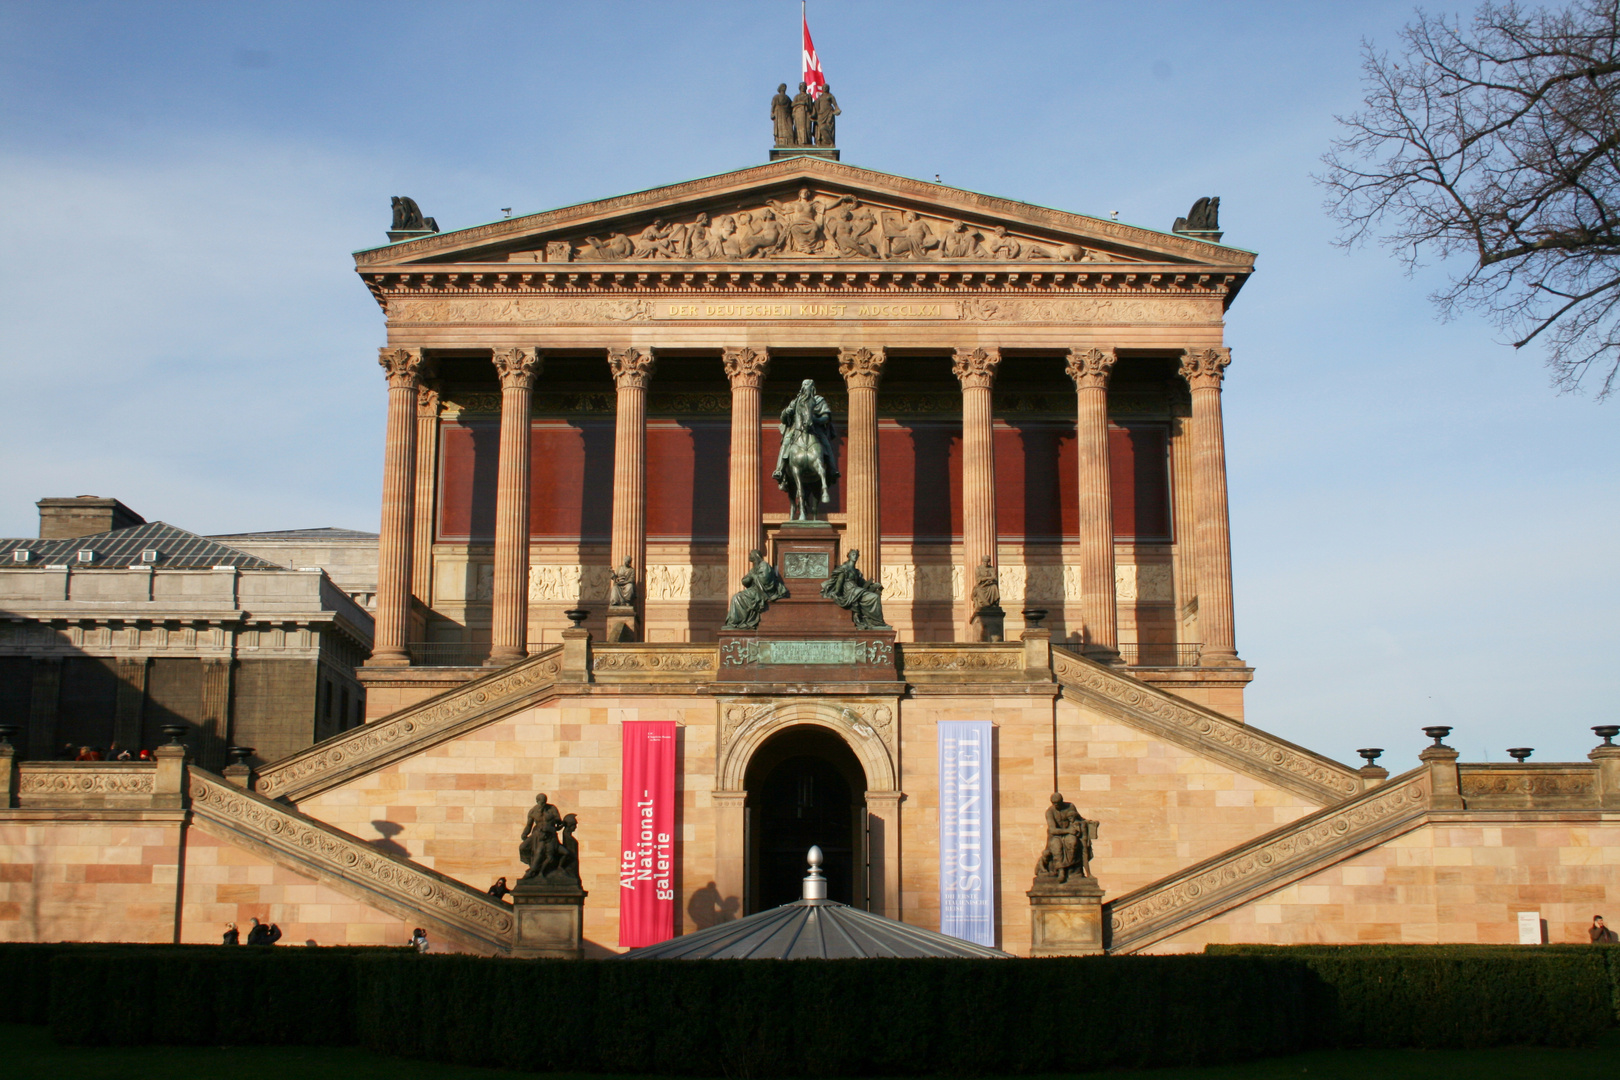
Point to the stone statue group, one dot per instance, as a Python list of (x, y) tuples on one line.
[(806, 468), (548, 848), (802, 120), (1068, 842)]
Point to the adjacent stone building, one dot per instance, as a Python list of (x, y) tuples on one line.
[(112, 627)]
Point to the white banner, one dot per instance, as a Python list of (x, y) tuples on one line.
[(967, 829)]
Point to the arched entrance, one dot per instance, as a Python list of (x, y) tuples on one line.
[(805, 786)]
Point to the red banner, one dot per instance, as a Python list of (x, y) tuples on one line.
[(647, 834)]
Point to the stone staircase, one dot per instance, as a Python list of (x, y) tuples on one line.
[(411, 730), (1204, 731), (422, 897), (1202, 891)]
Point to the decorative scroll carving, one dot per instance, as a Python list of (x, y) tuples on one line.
[(88, 782), (1186, 898), (1090, 367), (861, 367), (1205, 368), (349, 864), (961, 659), (746, 366), (401, 366), (1522, 781), (361, 749), (632, 367), (976, 367), (632, 660), (1208, 732), (517, 367)]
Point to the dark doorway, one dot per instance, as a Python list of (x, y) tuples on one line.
[(805, 786)]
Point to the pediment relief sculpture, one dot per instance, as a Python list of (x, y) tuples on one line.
[(810, 225)]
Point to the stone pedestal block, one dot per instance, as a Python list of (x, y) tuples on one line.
[(991, 622), (621, 625), (1065, 920), (550, 921)]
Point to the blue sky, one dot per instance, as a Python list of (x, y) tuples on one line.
[(1423, 531)]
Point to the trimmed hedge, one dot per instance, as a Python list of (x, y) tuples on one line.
[(808, 1018), (838, 1018), (1460, 996)]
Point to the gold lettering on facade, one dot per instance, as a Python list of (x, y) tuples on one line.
[(940, 311)]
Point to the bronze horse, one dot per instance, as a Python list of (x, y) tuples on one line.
[(804, 468)]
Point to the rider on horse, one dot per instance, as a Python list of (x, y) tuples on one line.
[(807, 440)]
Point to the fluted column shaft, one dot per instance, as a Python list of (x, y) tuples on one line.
[(427, 468), (1090, 368), (746, 369), (975, 369), (863, 370), (509, 620), (404, 369), (1204, 370), (632, 371)]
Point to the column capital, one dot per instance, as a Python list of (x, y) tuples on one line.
[(1091, 367), (427, 400), (746, 366), (1205, 368), (861, 367), (632, 367), (975, 367), (517, 366), (401, 366)]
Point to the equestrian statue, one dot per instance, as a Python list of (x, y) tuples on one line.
[(805, 466)]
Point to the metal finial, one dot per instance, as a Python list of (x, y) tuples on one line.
[(815, 886)]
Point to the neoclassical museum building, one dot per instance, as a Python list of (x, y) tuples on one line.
[(585, 418)]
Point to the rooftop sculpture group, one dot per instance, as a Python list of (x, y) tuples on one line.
[(803, 120)]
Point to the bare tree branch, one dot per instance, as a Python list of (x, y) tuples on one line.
[(1499, 143)]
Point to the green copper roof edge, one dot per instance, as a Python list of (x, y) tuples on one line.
[(799, 157)]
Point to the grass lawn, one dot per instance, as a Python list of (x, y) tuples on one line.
[(27, 1053)]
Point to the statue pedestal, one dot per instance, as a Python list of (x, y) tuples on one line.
[(992, 623), (806, 639), (780, 152), (1065, 920), (550, 921), (621, 625)]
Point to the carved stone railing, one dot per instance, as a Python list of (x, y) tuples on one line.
[(962, 663), (349, 865), (654, 663), (122, 784), (1205, 731), (1529, 786), (411, 730), (1265, 864)]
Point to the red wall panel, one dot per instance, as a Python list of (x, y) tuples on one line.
[(920, 479), (1139, 480), (688, 479)]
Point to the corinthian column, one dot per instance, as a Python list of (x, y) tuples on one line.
[(403, 368), (509, 622), (1089, 368), (862, 369), (427, 468), (632, 370), (746, 369), (975, 369), (1204, 369)]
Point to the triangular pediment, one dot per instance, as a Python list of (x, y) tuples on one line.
[(807, 210)]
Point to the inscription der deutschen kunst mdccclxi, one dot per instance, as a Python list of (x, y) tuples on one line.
[(795, 311)]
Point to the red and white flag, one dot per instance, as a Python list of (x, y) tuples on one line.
[(813, 80)]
